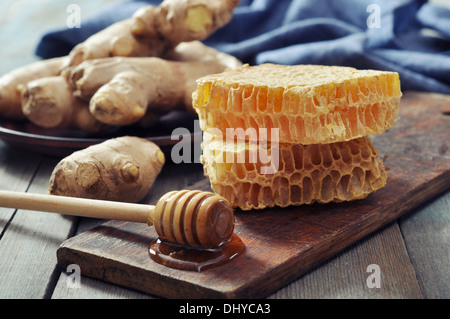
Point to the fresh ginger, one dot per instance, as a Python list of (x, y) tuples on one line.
[(153, 73), (178, 21), (115, 40), (152, 84), (152, 31), (49, 102), (13, 82), (121, 90), (119, 169)]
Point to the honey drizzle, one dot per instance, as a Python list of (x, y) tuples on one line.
[(194, 259)]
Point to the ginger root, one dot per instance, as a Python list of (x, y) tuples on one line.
[(119, 169), (115, 40), (49, 102), (131, 72), (178, 21), (13, 82), (121, 90), (152, 31)]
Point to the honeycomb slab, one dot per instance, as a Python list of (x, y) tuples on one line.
[(310, 104), (297, 174)]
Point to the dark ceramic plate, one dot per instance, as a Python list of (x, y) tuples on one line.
[(64, 142)]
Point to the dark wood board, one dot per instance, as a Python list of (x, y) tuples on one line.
[(283, 244)]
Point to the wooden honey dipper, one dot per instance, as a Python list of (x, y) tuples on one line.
[(189, 218)]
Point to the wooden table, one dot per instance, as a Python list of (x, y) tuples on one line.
[(412, 253)]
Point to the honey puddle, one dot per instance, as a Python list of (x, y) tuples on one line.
[(195, 259)]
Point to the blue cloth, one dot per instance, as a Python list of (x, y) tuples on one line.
[(366, 34)]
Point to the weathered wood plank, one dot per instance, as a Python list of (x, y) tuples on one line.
[(346, 275), (27, 248), (92, 289), (17, 168), (427, 238)]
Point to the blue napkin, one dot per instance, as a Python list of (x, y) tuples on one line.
[(411, 37)]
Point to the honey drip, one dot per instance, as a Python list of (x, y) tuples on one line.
[(194, 259)]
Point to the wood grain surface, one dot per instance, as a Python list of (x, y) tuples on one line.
[(283, 244)]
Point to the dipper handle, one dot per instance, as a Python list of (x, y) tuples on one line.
[(190, 218), (77, 206)]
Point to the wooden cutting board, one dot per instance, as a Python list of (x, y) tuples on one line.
[(283, 244)]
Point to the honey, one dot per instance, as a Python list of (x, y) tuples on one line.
[(195, 259)]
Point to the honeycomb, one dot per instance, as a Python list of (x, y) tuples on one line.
[(310, 104), (295, 174)]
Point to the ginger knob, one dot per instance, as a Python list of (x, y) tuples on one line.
[(120, 169)]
